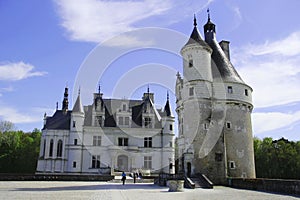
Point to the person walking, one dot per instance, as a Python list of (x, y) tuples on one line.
[(123, 177)]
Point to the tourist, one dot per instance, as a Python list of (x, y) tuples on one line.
[(123, 177)]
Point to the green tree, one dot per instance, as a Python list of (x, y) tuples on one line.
[(18, 150)]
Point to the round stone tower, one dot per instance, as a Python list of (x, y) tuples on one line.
[(214, 112)]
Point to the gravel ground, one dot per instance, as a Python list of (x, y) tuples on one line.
[(116, 191)]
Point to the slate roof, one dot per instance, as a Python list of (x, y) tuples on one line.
[(60, 120), (78, 106), (195, 38), (225, 69)]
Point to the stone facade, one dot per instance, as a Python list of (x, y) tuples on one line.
[(109, 136), (214, 108)]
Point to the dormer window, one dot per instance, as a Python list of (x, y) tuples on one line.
[(124, 107), (229, 89)]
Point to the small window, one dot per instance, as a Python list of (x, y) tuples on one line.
[(205, 126), (228, 125), (190, 63), (232, 164), (96, 140), (147, 122), (126, 121), (98, 121), (75, 141), (191, 91), (74, 164), (147, 162), (246, 92), (74, 124), (171, 127), (148, 142), (96, 161), (124, 107), (121, 121), (123, 141), (230, 90), (218, 157)]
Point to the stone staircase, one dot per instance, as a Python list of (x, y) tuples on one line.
[(199, 181)]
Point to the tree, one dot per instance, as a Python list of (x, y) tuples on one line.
[(18, 150), (277, 158)]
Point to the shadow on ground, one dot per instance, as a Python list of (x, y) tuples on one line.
[(94, 187)]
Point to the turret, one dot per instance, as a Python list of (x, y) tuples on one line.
[(76, 136), (209, 30), (196, 58)]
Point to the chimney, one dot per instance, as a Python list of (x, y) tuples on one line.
[(225, 47)]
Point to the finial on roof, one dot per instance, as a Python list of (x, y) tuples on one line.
[(208, 14), (79, 91), (148, 90), (195, 20), (57, 105), (167, 95), (99, 88)]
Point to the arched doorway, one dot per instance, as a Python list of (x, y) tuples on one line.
[(189, 169), (122, 163)]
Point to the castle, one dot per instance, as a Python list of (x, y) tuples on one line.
[(214, 108), (107, 137)]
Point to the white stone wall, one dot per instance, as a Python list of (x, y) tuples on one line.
[(201, 63)]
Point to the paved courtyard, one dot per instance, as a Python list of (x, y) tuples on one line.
[(116, 191)]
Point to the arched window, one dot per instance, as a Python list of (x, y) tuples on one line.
[(59, 148), (51, 148), (44, 148)]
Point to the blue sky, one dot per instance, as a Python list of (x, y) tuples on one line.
[(48, 44)]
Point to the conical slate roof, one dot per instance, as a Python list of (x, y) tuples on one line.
[(78, 106), (167, 108), (195, 37)]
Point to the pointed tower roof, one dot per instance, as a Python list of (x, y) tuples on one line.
[(167, 108), (78, 106), (195, 37)]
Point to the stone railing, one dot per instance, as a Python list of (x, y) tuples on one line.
[(290, 187)]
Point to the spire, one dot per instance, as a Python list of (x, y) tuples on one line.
[(78, 106), (57, 105), (209, 26), (195, 37), (65, 102), (168, 107), (99, 88), (208, 14)]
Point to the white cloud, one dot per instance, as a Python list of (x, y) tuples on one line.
[(289, 46), (269, 121), (272, 69), (98, 20), (17, 71), (14, 116)]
